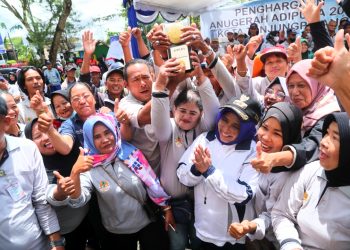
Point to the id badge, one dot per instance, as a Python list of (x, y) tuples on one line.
[(16, 192)]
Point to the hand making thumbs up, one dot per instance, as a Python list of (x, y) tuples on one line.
[(263, 161), (65, 186)]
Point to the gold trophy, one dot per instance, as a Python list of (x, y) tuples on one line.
[(178, 50)]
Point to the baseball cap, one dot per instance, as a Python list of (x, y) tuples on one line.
[(95, 69), (70, 67), (273, 50), (241, 34), (115, 67), (245, 107), (289, 31), (253, 25), (343, 19)]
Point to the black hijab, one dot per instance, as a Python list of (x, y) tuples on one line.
[(290, 118), (341, 175)]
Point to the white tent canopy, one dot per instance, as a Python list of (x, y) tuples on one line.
[(185, 7)]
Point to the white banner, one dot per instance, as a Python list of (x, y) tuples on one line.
[(269, 15)]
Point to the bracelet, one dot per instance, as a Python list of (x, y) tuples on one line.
[(209, 53), (159, 94), (166, 208)]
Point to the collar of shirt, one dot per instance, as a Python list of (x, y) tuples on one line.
[(345, 189)]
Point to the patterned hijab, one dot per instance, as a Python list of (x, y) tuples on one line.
[(132, 157)]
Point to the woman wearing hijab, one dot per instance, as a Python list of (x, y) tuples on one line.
[(316, 101), (61, 106), (313, 209), (117, 172), (217, 165), (72, 223), (280, 126)]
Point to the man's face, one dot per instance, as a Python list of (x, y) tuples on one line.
[(230, 36), (71, 74), (115, 83), (95, 78), (332, 25), (49, 66), (240, 39), (139, 81), (292, 37), (3, 84), (215, 45)]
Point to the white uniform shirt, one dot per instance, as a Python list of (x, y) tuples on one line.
[(231, 180), (173, 141), (301, 218), (25, 216)]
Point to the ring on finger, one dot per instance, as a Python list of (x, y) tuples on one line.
[(194, 37), (157, 43)]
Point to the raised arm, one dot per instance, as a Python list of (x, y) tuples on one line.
[(89, 45), (124, 40)]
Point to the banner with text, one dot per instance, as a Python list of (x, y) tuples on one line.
[(269, 15)]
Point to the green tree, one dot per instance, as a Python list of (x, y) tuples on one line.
[(46, 30)]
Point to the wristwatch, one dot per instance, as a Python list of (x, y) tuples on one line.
[(58, 243)]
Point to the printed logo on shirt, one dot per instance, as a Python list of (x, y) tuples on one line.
[(306, 196), (178, 142), (104, 186)]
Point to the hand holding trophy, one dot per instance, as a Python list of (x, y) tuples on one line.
[(178, 49)]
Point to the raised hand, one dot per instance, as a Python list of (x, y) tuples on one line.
[(192, 37), (310, 10), (254, 44), (136, 32), (330, 64), (120, 113), (240, 52), (158, 38), (65, 186), (45, 122), (89, 44), (171, 67), (37, 103), (202, 159), (83, 164), (294, 51), (198, 72), (125, 38), (263, 161)]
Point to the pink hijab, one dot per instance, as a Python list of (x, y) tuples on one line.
[(323, 101)]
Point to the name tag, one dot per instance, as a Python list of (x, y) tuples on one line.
[(16, 192)]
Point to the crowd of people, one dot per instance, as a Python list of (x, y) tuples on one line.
[(247, 150)]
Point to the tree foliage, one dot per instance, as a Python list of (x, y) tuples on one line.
[(46, 30)]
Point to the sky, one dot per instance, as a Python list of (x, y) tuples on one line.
[(86, 9)]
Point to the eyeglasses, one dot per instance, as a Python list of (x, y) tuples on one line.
[(278, 94), (76, 99)]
